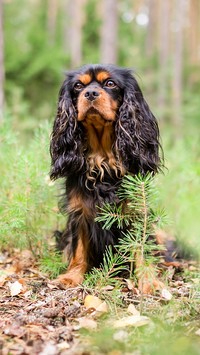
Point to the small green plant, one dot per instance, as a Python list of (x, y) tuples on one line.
[(135, 212), (106, 274), (52, 264), (28, 200)]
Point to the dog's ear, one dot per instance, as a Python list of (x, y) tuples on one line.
[(137, 133), (66, 138)]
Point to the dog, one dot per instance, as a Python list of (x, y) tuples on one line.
[(103, 130)]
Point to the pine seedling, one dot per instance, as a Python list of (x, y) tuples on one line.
[(137, 220), (113, 264)]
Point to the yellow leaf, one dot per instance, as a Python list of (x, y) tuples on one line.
[(92, 302)]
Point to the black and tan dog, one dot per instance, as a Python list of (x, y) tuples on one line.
[(103, 130)]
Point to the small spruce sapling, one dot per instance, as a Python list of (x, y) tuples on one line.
[(138, 221)]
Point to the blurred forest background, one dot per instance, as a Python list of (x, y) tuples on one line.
[(41, 39)]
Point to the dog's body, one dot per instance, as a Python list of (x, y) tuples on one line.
[(103, 130)]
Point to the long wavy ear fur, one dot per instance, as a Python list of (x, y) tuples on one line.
[(137, 133), (66, 139)]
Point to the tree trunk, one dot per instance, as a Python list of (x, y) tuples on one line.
[(193, 41), (179, 19), (194, 32), (163, 53), (109, 31), (152, 28), (52, 11), (73, 31), (2, 73)]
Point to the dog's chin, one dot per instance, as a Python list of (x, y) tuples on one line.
[(92, 115)]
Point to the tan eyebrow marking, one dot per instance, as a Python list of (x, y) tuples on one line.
[(102, 76), (85, 78)]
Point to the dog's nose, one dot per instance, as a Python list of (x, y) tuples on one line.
[(91, 95)]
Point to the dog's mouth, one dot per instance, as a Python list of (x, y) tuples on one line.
[(92, 113)]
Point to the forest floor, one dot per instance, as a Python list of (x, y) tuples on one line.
[(37, 317)]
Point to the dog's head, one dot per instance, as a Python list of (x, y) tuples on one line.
[(97, 92), (104, 96)]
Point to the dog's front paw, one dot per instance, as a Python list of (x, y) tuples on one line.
[(68, 280)]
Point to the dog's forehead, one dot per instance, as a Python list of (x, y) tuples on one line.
[(93, 74), (100, 73)]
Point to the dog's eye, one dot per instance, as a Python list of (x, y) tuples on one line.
[(78, 86), (110, 84)]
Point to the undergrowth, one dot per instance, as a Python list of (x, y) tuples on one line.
[(28, 200)]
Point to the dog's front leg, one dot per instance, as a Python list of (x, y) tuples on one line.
[(78, 264)]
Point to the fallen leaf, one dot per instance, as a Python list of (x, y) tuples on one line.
[(166, 294), (92, 302), (15, 288), (87, 323), (101, 309), (135, 321), (131, 309), (148, 286)]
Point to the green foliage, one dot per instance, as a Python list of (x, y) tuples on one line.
[(106, 274), (52, 264), (31, 61), (91, 38), (27, 200), (136, 194), (110, 214), (179, 188)]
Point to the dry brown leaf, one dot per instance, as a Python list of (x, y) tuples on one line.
[(148, 286), (134, 321)]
